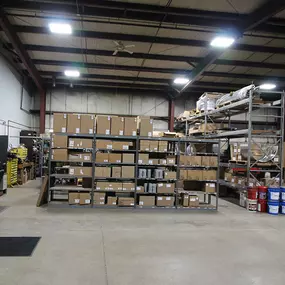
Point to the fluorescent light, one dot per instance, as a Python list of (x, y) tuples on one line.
[(181, 80), (267, 86), (222, 42), (72, 73), (60, 28)]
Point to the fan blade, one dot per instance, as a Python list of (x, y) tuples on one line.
[(129, 46), (115, 52), (116, 43), (128, 51)]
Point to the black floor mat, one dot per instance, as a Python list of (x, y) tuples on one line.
[(18, 246)]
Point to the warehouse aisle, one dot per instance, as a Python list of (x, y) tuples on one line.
[(123, 247)]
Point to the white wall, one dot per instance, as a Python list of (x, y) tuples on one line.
[(10, 91)]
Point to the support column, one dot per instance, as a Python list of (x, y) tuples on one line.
[(171, 115), (42, 112)]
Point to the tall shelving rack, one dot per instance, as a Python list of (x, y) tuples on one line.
[(174, 149)]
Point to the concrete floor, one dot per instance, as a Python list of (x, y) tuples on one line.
[(122, 247)]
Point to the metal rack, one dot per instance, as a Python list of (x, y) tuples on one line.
[(175, 150)]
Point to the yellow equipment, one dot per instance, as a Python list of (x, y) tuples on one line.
[(12, 168), (20, 151)]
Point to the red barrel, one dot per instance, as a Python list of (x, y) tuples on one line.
[(262, 206), (252, 193), (262, 192)]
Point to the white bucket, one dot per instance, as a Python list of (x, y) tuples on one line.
[(242, 199), (251, 205)]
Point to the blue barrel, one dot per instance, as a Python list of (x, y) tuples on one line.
[(274, 194), (282, 193), (273, 207), (282, 208)]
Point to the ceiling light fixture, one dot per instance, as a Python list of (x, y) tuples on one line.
[(267, 86), (60, 28), (222, 42), (181, 80), (72, 73)]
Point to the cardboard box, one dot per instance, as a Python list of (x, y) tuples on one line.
[(102, 157), (112, 201), (210, 187), (117, 126), (193, 201), (209, 175), (146, 127), (128, 158), (115, 157), (228, 176), (165, 187), (123, 201), (73, 198), (153, 161), (171, 160), (121, 145), (99, 198), (140, 189), (73, 123), (153, 145), (103, 125), (194, 160), (104, 144), (147, 201), (143, 158), (84, 198), (80, 143), (128, 171), (144, 145), (164, 201), (87, 124), (101, 185), (162, 161), (58, 141), (127, 186), (59, 154), (116, 171), (210, 161), (80, 170), (115, 186), (162, 146), (102, 171), (234, 179), (183, 174), (185, 200), (179, 184), (59, 122), (79, 156), (183, 160), (194, 175), (130, 126), (170, 174)]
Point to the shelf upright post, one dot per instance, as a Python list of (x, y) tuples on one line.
[(249, 138), (177, 170), (282, 136), (93, 168), (49, 169), (218, 176), (136, 170)]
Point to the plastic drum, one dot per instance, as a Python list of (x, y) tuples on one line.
[(282, 193), (273, 207), (273, 194)]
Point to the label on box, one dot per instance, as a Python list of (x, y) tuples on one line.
[(168, 185), (155, 148), (250, 184), (63, 130), (107, 132), (101, 203), (77, 130), (212, 185), (159, 198), (102, 198), (118, 161), (275, 159), (138, 188), (163, 161), (140, 161), (235, 150), (98, 188), (141, 202), (105, 160), (239, 150), (192, 199), (233, 180), (239, 157), (109, 146), (113, 203), (168, 198), (132, 204), (151, 121), (71, 171), (52, 156), (109, 118), (171, 160), (76, 201), (149, 134), (121, 133), (134, 133), (52, 144), (125, 147), (64, 116), (78, 117), (86, 157), (90, 131), (160, 184), (87, 201), (81, 172), (124, 188), (150, 162)]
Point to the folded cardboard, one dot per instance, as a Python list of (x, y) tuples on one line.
[(210, 187), (99, 198), (128, 158), (193, 160), (79, 156), (183, 174), (144, 145), (170, 174), (84, 198), (124, 201), (165, 187), (59, 122), (73, 123), (194, 175), (140, 189), (153, 145), (127, 186), (116, 172), (87, 124), (80, 170), (185, 200), (80, 143), (146, 127), (162, 161), (164, 201), (59, 154), (102, 157), (117, 126), (124, 145), (130, 126), (209, 174), (102, 171), (58, 141), (128, 171), (73, 198), (112, 201), (103, 125), (193, 201), (147, 201), (143, 158), (162, 146), (170, 160), (103, 144)]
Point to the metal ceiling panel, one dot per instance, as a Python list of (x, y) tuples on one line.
[(114, 60), (240, 69), (274, 72), (276, 58), (236, 55), (215, 79), (220, 68), (259, 56), (280, 15), (158, 75), (167, 64), (184, 34), (55, 68), (57, 56), (258, 71), (254, 40), (112, 72), (277, 43)]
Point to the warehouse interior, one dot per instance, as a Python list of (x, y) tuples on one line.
[(142, 141)]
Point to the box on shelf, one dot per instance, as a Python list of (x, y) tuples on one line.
[(128, 158), (210, 161), (164, 201), (73, 198), (99, 198), (170, 174), (162, 146), (183, 160), (193, 160), (84, 198), (73, 123), (102, 157), (115, 157), (116, 172), (59, 154), (162, 161), (112, 201), (183, 174), (117, 126), (80, 170), (103, 125), (210, 187), (124, 201), (127, 186), (104, 144), (185, 200), (79, 156), (140, 189), (144, 145), (179, 184), (116, 186), (193, 201), (121, 145), (101, 185), (102, 171), (228, 176), (194, 175), (143, 158), (147, 201), (170, 160), (87, 124), (153, 161), (165, 187), (128, 171), (58, 141), (209, 175), (130, 126), (146, 127), (80, 143), (153, 145), (59, 122)]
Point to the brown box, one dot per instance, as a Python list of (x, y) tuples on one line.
[(127, 186), (117, 126), (84, 198), (162, 161), (185, 200), (115, 157), (130, 126), (144, 145), (194, 175), (102, 157), (112, 201), (165, 201), (140, 189), (210, 187), (147, 201), (162, 146), (228, 176), (153, 161), (73, 123), (143, 158), (116, 172), (165, 188), (170, 174), (79, 156), (128, 158), (179, 184), (121, 145), (73, 198), (101, 185), (99, 198), (193, 201), (116, 186), (103, 125), (193, 160), (153, 145), (59, 122), (183, 160), (128, 171), (104, 144), (210, 161), (87, 124), (123, 201), (80, 170), (209, 174), (80, 143), (146, 127), (183, 174), (170, 160), (59, 154), (58, 141), (102, 171)]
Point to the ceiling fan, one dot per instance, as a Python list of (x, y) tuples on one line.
[(121, 47)]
